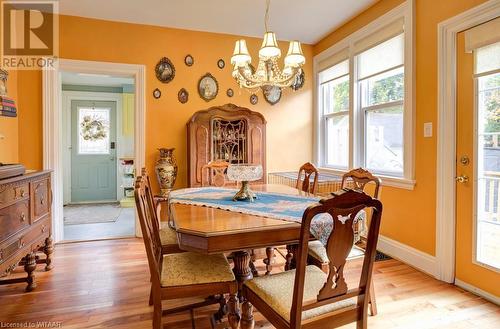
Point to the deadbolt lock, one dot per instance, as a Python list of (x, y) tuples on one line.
[(464, 160)]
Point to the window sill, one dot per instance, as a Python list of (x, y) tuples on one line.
[(397, 182)]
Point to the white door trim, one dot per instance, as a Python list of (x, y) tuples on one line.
[(52, 122), (446, 141)]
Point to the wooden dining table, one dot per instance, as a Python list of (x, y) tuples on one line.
[(210, 230)]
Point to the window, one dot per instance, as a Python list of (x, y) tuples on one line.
[(335, 104), (487, 78), (93, 130), (364, 116)]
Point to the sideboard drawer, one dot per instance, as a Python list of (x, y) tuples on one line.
[(12, 193), (40, 198), (14, 218)]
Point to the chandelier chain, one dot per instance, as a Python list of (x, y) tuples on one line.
[(266, 16)]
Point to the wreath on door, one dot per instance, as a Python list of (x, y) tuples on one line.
[(93, 128)]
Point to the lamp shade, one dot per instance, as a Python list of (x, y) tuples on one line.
[(295, 57), (269, 46), (240, 55)]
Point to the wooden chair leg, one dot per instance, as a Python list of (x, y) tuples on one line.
[(157, 313), (151, 296), (373, 302), (269, 260)]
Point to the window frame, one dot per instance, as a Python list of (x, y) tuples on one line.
[(357, 122)]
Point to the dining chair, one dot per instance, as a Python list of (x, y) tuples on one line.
[(307, 170), (216, 173), (168, 235), (181, 275), (306, 297), (356, 179)]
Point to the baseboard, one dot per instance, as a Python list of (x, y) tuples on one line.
[(409, 255), (486, 295)]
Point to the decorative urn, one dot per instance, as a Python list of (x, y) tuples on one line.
[(166, 170)]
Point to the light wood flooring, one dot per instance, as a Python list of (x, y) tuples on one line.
[(105, 284)]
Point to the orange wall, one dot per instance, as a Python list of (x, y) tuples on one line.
[(289, 129), (410, 216)]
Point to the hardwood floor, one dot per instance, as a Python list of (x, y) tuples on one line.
[(105, 284)]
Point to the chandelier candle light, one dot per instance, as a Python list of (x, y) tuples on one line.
[(268, 72)]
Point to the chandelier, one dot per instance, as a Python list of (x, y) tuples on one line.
[(268, 72)]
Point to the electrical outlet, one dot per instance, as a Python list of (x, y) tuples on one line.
[(428, 129)]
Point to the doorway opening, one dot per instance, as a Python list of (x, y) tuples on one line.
[(98, 155)]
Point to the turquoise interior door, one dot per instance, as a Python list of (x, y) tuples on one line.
[(93, 151)]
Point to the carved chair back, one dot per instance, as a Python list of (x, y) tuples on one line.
[(149, 228), (357, 179), (216, 171), (343, 207), (150, 198), (305, 185)]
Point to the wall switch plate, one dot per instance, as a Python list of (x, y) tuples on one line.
[(428, 129)]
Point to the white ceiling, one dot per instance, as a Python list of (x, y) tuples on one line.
[(304, 20), (71, 78)]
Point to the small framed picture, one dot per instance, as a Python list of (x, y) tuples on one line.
[(254, 99), (221, 64), (183, 95), (208, 88), (272, 94), (229, 92), (165, 70), (189, 60), (157, 93)]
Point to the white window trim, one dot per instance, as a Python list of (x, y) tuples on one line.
[(404, 10)]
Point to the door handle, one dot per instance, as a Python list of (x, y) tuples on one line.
[(462, 179)]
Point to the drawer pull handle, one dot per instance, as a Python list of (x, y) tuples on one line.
[(44, 228), (23, 193), (21, 244), (23, 217), (42, 201)]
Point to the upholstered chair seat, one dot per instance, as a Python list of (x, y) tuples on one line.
[(318, 251), (277, 291), (190, 268), (168, 236)]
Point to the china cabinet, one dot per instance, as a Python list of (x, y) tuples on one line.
[(229, 133)]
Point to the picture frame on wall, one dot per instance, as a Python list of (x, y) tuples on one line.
[(189, 60), (208, 87), (165, 70), (183, 96)]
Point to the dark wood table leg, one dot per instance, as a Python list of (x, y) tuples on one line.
[(234, 315), (29, 267), (291, 262), (243, 272), (247, 321), (48, 249)]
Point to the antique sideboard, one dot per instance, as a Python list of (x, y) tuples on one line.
[(25, 225), (229, 133)]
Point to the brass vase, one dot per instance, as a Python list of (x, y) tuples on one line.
[(166, 170)]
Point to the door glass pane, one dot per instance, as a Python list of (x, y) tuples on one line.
[(93, 130), (337, 143), (384, 140), (488, 193)]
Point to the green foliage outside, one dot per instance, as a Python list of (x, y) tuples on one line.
[(492, 104)]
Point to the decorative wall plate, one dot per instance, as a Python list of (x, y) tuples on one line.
[(189, 60), (299, 81), (165, 70), (183, 96), (221, 64), (254, 99), (229, 92), (272, 94), (157, 93), (208, 88)]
